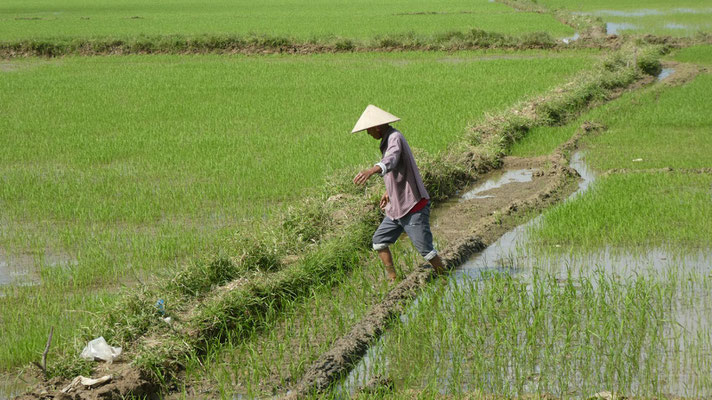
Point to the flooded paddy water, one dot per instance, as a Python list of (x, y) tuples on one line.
[(675, 347), (650, 19)]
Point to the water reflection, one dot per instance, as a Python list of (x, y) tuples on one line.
[(510, 176)]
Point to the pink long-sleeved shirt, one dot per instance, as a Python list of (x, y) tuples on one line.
[(404, 184)]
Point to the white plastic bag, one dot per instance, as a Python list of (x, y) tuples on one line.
[(98, 349)]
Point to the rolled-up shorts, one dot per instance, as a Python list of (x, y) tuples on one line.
[(416, 225)]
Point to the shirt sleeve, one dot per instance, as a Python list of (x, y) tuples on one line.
[(391, 157)]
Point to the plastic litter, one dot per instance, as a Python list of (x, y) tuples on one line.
[(161, 306), (98, 349)]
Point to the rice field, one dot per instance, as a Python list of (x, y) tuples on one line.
[(125, 178), (569, 337), (112, 180), (678, 18), (605, 293), (362, 19)]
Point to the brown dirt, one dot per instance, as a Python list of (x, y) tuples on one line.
[(250, 49), (127, 382), (684, 72)]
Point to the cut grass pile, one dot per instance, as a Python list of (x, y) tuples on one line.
[(123, 166), (362, 19), (678, 18), (272, 359), (507, 336)]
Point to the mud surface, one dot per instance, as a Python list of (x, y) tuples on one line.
[(126, 382), (498, 181)]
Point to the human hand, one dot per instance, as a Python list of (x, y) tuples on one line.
[(363, 176), (384, 201)]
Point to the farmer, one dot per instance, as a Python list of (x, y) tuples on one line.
[(405, 202)]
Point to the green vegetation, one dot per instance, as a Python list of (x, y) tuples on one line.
[(696, 54), (207, 315), (662, 126), (640, 334), (122, 177), (636, 209), (271, 360), (234, 313), (363, 19), (203, 180), (678, 18), (515, 336)]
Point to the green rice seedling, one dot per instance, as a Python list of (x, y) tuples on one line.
[(506, 336), (681, 18), (636, 209), (701, 54), (639, 127), (131, 20)]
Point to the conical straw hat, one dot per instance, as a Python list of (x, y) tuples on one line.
[(373, 116)]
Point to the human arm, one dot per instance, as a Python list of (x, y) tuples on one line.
[(363, 176), (391, 157)]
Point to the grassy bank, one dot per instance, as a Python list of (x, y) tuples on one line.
[(356, 20), (108, 180)]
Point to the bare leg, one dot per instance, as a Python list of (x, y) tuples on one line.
[(387, 260), (437, 264)]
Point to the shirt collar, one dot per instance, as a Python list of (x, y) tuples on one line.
[(384, 138)]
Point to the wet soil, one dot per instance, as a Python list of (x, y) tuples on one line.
[(126, 382), (454, 219)]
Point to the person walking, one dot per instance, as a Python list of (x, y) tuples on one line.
[(406, 202)]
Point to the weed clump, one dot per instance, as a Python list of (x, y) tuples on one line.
[(308, 223), (649, 59), (345, 45)]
